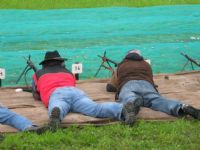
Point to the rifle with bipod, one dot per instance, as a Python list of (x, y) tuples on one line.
[(191, 60), (30, 65), (106, 60)]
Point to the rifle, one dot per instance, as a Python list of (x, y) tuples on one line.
[(28, 67), (189, 60), (108, 61)]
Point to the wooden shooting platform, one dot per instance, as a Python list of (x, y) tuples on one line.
[(183, 86)]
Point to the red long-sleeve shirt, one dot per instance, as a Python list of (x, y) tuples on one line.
[(48, 79)]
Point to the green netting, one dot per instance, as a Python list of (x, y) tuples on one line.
[(161, 33)]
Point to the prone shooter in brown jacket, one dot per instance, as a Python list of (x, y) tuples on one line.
[(133, 81)]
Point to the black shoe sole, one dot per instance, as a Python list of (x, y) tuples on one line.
[(195, 113), (54, 123), (38, 130), (1, 138), (137, 104), (131, 109)]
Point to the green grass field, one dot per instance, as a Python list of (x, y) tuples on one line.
[(57, 4), (179, 135)]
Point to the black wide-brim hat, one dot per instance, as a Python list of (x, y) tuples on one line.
[(52, 55)]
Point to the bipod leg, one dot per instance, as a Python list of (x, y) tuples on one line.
[(192, 65), (109, 65), (185, 65), (98, 69), (22, 73), (25, 74)]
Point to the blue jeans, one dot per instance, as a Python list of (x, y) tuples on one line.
[(151, 98), (10, 118), (72, 99)]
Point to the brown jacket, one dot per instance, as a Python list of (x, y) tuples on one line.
[(134, 70)]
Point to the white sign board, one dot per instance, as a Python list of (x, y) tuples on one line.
[(148, 61), (2, 73), (77, 68)]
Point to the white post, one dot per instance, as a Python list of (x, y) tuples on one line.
[(77, 68), (2, 74)]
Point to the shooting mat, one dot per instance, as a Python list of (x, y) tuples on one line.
[(182, 86)]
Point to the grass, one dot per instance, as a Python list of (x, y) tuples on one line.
[(57, 4), (177, 135)]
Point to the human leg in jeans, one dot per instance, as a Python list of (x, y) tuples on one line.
[(74, 100), (17, 121), (152, 99), (84, 105), (173, 107), (59, 105), (135, 89), (130, 93)]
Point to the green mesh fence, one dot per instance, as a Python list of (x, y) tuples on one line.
[(161, 33)]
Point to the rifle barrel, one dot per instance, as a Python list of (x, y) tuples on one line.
[(190, 59), (107, 59), (31, 65), (115, 63)]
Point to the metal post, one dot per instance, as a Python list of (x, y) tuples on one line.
[(2, 75), (77, 76), (76, 69)]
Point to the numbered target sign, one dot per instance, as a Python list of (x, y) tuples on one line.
[(77, 68), (2, 73)]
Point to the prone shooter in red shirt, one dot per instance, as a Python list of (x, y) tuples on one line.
[(55, 85)]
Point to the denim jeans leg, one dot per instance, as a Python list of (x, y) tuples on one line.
[(84, 105), (60, 98), (10, 118), (157, 102), (151, 98), (127, 94)]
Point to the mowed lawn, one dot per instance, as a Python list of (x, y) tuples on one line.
[(156, 135), (57, 4)]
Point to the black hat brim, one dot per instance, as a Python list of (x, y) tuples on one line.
[(60, 59)]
